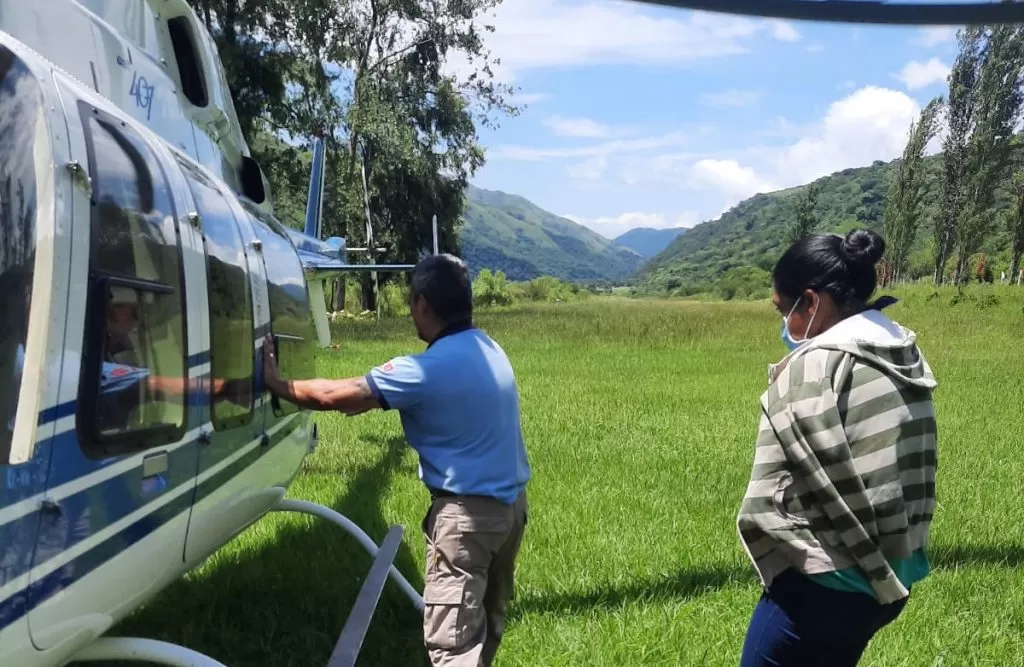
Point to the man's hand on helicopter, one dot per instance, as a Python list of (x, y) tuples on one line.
[(351, 396)]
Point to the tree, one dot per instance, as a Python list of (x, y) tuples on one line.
[(960, 116), (372, 79), (999, 99), (804, 220), (1015, 225), (901, 218)]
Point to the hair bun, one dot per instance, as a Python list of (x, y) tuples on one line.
[(863, 246)]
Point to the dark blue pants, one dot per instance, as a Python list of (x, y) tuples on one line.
[(800, 623)]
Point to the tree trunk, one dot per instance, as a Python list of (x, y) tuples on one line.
[(369, 297), (960, 275), (940, 265), (339, 294), (1015, 268)]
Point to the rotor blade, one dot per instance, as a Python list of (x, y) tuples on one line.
[(861, 11)]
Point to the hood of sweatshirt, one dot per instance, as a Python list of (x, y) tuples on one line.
[(876, 340)]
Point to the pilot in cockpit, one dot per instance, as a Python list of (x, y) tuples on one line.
[(123, 342)]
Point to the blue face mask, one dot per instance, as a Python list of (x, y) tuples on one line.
[(786, 336)]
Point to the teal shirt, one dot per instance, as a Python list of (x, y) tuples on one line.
[(908, 571)]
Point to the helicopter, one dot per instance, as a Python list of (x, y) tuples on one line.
[(139, 247), (142, 266)]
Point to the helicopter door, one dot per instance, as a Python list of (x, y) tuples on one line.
[(287, 426), (226, 499), (34, 208), (120, 490)]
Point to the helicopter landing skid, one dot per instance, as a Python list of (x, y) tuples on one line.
[(143, 650), (346, 649), (346, 524)]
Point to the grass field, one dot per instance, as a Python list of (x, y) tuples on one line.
[(639, 418)]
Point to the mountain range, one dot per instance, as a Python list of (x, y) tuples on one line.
[(648, 241), (732, 254), (505, 232)]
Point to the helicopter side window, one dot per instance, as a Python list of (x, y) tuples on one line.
[(134, 385), (231, 312), (19, 110), (290, 315)]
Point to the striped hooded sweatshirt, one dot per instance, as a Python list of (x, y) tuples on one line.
[(844, 467)]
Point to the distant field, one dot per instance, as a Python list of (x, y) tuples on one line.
[(639, 419)]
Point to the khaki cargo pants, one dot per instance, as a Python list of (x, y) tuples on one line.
[(472, 543)]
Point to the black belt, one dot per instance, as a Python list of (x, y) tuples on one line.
[(442, 493)]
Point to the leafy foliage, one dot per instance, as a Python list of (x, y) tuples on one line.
[(368, 77), (493, 289), (998, 98), (804, 221), (903, 202)]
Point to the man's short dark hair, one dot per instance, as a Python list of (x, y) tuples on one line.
[(444, 281)]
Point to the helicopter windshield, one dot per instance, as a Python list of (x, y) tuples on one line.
[(19, 109)]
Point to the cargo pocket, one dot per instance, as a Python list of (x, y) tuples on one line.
[(443, 618), (481, 537)]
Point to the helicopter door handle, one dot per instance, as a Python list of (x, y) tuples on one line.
[(154, 464)]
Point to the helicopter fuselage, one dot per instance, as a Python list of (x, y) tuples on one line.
[(140, 269)]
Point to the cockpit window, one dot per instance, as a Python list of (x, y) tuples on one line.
[(134, 380), (20, 104)]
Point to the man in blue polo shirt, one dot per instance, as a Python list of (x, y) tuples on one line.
[(459, 407)]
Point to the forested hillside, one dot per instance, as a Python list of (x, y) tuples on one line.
[(507, 233), (741, 247)]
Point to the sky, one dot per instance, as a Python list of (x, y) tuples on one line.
[(644, 116)]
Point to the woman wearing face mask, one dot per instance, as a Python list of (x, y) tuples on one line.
[(836, 515)]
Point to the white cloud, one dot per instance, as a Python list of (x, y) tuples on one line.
[(917, 75), (934, 35), (577, 127), (728, 177), (612, 227), (534, 154), (589, 170), (870, 124), (732, 98), (783, 31), (534, 34)]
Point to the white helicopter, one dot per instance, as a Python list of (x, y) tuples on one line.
[(140, 268), (138, 437)]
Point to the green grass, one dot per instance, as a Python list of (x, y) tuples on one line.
[(639, 418)]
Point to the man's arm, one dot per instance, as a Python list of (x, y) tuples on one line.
[(351, 395)]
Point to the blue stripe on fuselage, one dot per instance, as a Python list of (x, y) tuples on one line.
[(23, 601), (67, 409)]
